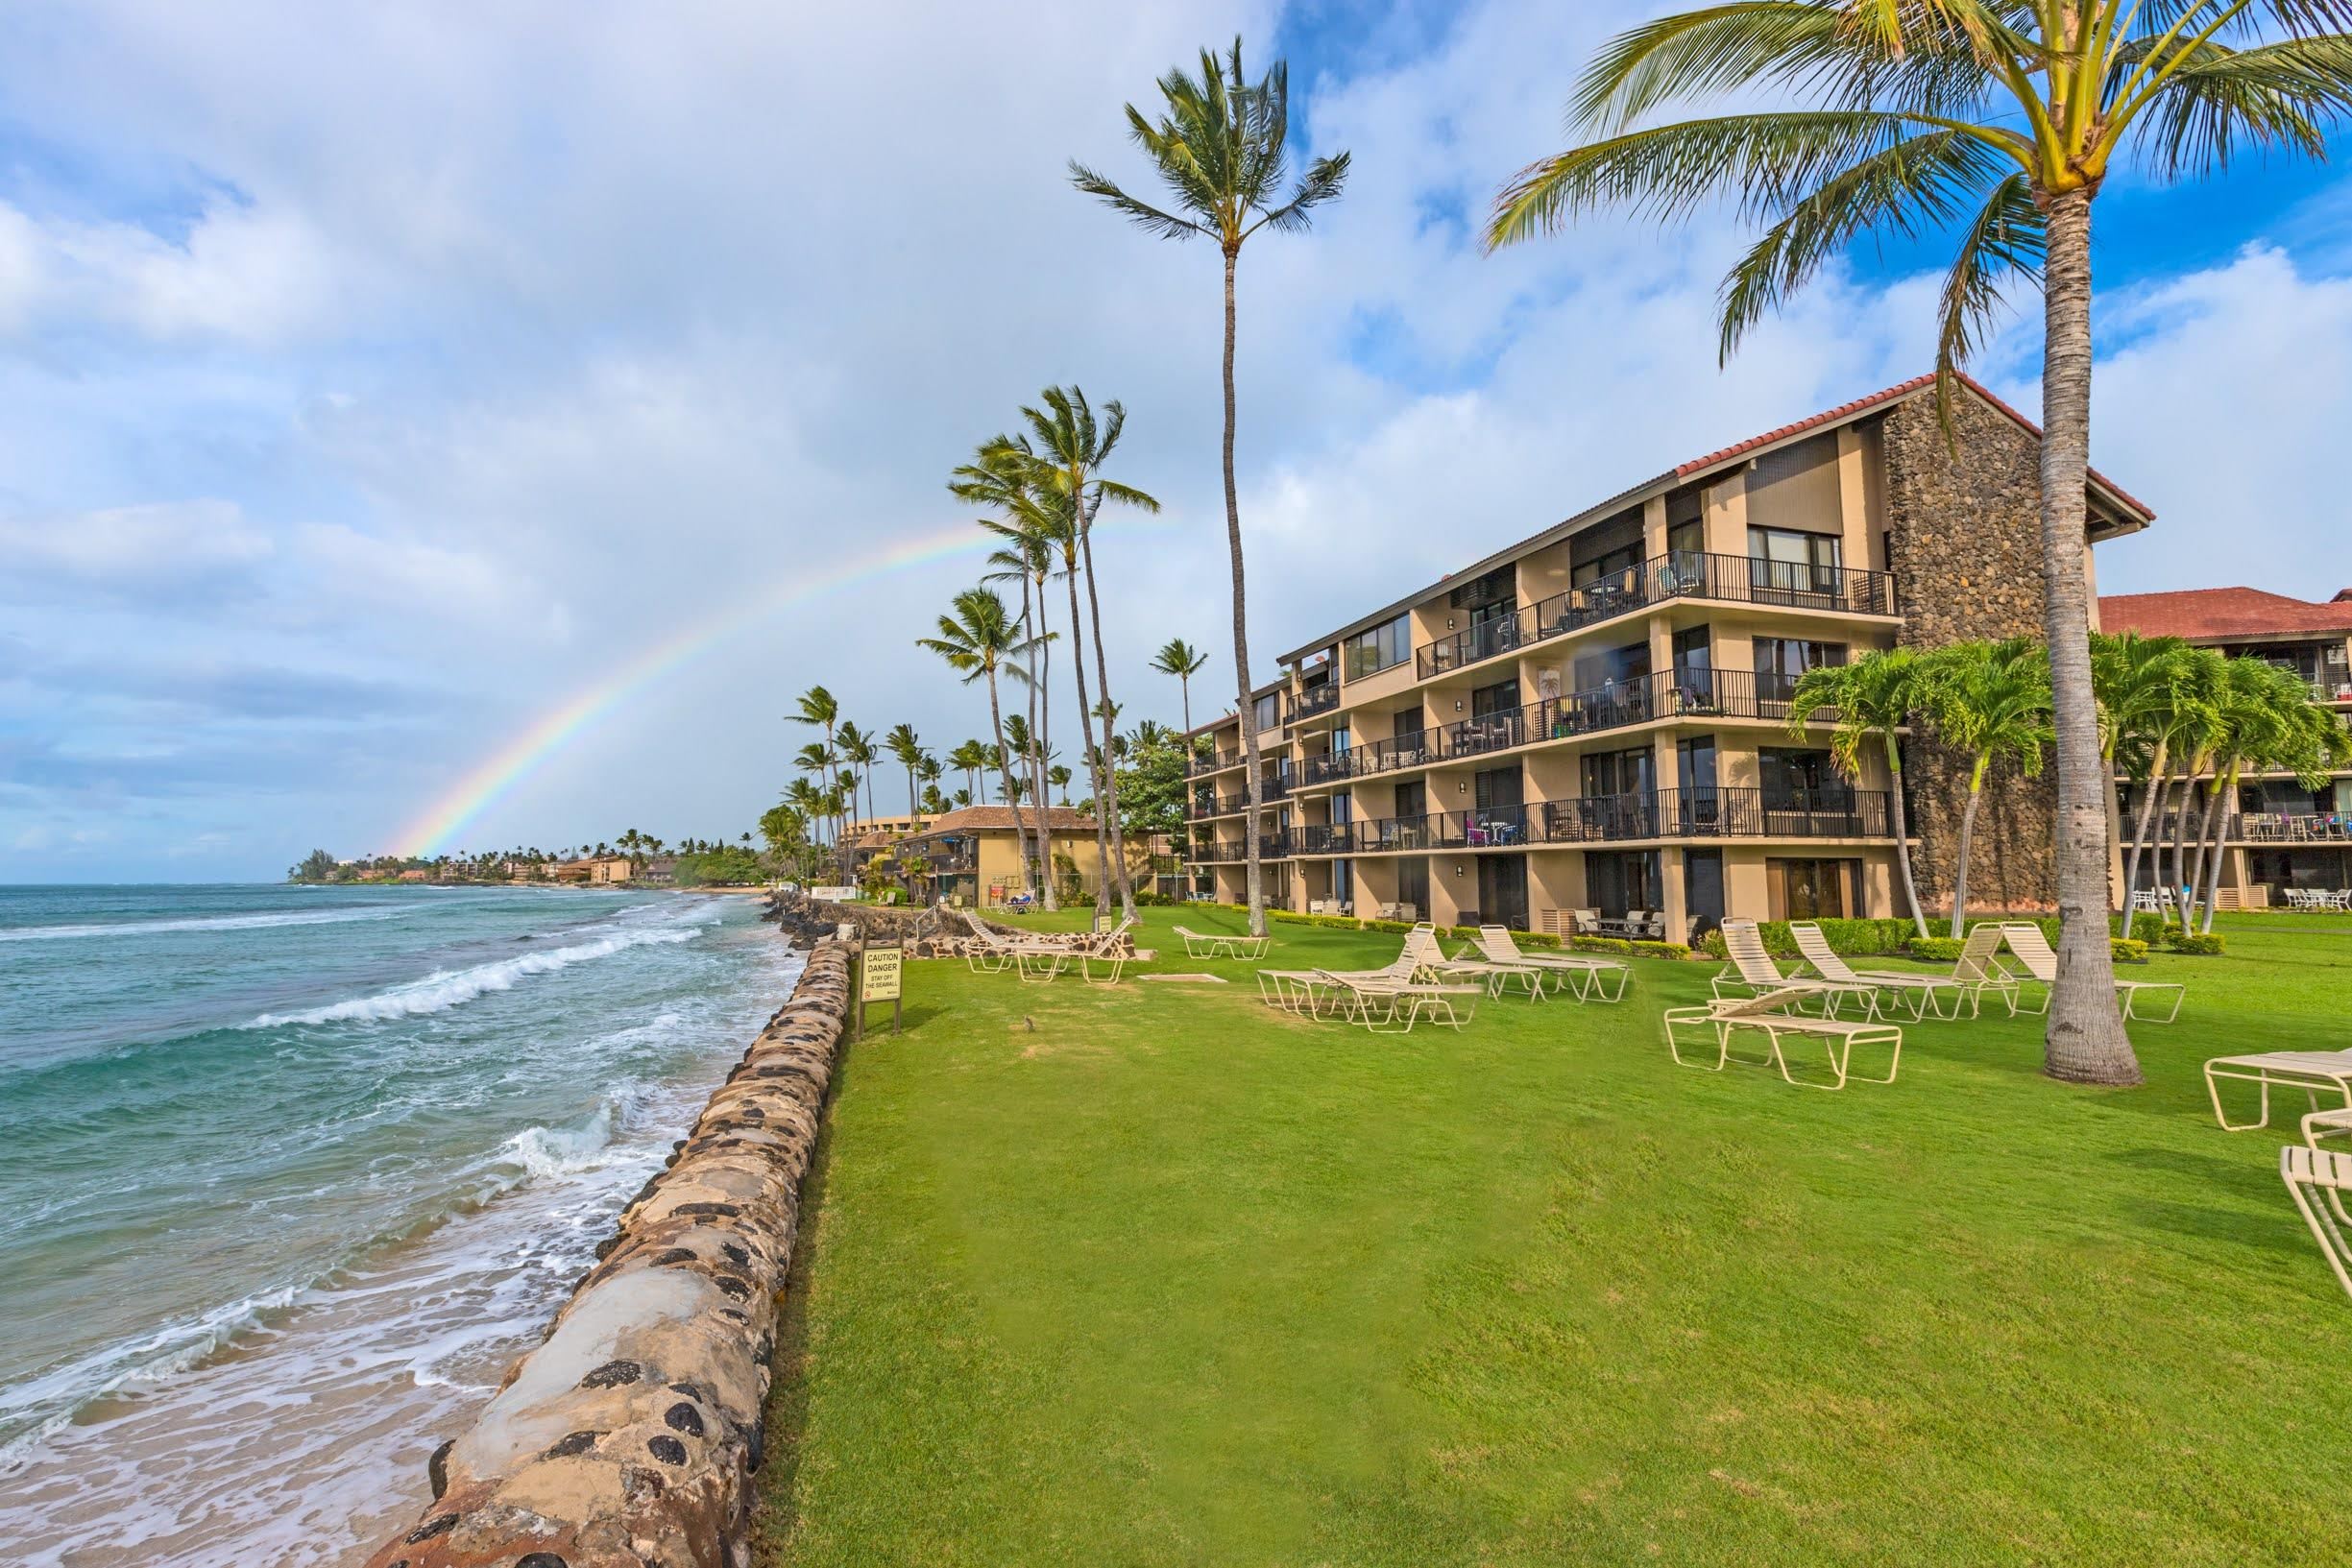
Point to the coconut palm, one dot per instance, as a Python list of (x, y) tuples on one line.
[(1181, 660), (970, 756), (1059, 774), (906, 748), (1998, 121), (1003, 478), (818, 707), (980, 641), (1869, 701), (1989, 702), (819, 759), (2266, 722), (2138, 682), (858, 751), (1221, 148)]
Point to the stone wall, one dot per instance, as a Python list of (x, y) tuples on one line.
[(1965, 544), (627, 1439)]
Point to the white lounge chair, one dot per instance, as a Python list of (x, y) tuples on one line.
[(2034, 951), (1216, 945), (1586, 975), (1772, 1014), (2318, 1181), (1925, 991), (2314, 1073), (1751, 971), (1378, 1002)]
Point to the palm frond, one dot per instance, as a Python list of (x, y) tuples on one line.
[(1151, 219), (2219, 104), (2008, 237)]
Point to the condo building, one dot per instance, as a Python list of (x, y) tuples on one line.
[(2280, 832), (1596, 720)]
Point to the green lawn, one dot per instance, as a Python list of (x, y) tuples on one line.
[(1155, 1275)]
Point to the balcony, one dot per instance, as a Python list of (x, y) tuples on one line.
[(1316, 699), (1327, 768), (1685, 575), (1211, 762), (1664, 813), (1676, 693), (1234, 852), (1207, 802)]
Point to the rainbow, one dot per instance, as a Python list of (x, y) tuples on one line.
[(496, 775)]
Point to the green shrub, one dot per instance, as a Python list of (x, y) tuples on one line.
[(1534, 939), (1660, 950), (1387, 926), (2148, 928), (1855, 939), (1604, 944), (1936, 950), (2194, 942), (2127, 949)]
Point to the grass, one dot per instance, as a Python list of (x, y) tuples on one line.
[(1154, 1275)]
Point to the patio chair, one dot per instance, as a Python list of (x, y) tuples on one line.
[(2034, 951), (996, 952), (1772, 1014), (2313, 1072), (1377, 1001), (1216, 945), (1586, 975), (1318, 993), (1110, 949), (1752, 970), (2311, 1174), (1925, 991)]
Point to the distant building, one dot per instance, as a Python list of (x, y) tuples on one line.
[(416, 876), (601, 870), (2280, 832), (970, 853)]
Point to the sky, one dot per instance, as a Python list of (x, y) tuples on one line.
[(452, 427)]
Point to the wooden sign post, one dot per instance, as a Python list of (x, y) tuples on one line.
[(879, 974)]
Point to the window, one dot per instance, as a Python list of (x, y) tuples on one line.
[(1813, 889), (1781, 660), (1371, 651), (1615, 562), (1495, 788), (1502, 697), (1802, 781), (1411, 799), (1789, 560), (1625, 772), (1269, 711), (1687, 538), (1413, 883), (1703, 890)]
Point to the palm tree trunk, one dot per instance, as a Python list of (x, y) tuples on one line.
[(2216, 820), (1035, 761), (1094, 758), (1247, 712), (2084, 1039), (1045, 734), (2157, 785), (1020, 829), (1903, 832), (1184, 683), (1968, 830), (1110, 770), (2183, 871)]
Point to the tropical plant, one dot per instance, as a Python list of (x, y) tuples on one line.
[(1058, 776), (1996, 120), (1002, 476), (2266, 721), (1868, 701), (906, 748), (980, 641), (1989, 702), (858, 751), (1221, 149), (1181, 660), (2138, 683), (819, 709)]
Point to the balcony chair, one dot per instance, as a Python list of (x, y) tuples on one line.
[(1588, 975), (2034, 951), (1773, 1015)]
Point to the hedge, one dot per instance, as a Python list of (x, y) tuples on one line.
[(1855, 939), (1943, 949)]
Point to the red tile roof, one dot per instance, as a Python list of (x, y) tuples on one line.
[(1893, 393), (2215, 612)]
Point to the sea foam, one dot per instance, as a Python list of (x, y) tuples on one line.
[(206, 922), (443, 989)]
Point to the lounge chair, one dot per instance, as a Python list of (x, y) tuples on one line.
[(1110, 949), (1378, 1000), (1216, 945), (2034, 951), (1421, 945), (1319, 993), (2313, 1072), (2317, 1175), (1923, 990), (1751, 971), (998, 952), (1772, 1015), (1586, 975)]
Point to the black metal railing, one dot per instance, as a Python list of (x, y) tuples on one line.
[(1207, 802), (1326, 767), (1316, 699), (1721, 813), (1209, 761), (1682, 574), (1233, 851), (1324, 838), (1676, 694)]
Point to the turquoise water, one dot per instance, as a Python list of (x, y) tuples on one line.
[(292, 1173)]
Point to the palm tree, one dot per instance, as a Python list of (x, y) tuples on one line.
[(818, 707), (2137, 682), (1989, 702), (906, 748), (1071, 447), (1999, 120), (1221, 149), (971, 756), (2268, 722), (1002, 477), (1181, 660), (980, 641), (817, 757), (1869, 700), (858, 751), (1059, 774)]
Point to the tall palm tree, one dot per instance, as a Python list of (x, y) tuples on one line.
[(2268, 723), (819, 759), (1869, 701), (970, 756), (1003, 477), (980, 641), (858, 751), (1221, 148), (818, 707), (1071, 446), (1997, 121), (1059, 774), (1181, 660), (906, 748), (1991, 702), (2137, 682)]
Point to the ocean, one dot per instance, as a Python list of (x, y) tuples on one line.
[(292, 1174)]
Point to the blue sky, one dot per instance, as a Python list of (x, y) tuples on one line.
[(372, 379)]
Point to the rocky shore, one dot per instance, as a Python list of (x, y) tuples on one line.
[(628, 1438)]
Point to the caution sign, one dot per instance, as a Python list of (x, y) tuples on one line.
[(881, 974)]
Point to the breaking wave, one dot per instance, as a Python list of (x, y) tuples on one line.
[(443, 989), (206, 922)]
